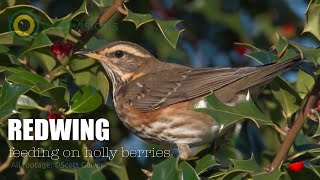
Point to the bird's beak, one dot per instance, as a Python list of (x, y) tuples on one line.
[(88, 53)]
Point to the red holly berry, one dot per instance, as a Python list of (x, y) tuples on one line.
[(241, 49), (318, 105), (54, 116), (61, 49), (67, 47), (57, 48), (297, 166), (288, 29)]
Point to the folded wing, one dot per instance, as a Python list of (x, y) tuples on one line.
[(179, 84)]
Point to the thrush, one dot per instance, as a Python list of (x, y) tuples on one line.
[(155, 99)]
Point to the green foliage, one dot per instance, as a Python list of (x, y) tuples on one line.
[(25, 102), (85, 100), (286, 96), (138, 19), (89, 173), (304, 83), (312, 23), (167, 28), (9, 97), (226, 115), (35, 80), (168, 169), (205, 163)]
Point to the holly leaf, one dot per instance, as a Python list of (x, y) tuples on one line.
[(78, 65), (312, 23), (137, 18), (45, 61), (187, 171), (41, 86), (304, 83), (11, 69), (167, 28), (85, 100), (250, 164), (63, 33), (40, 18), (315, 169), (308, 53), (281, 45), (235, 174), (288, 98), (275, 175), (205, 163), (227, 115), (315, 152), (40, 41), (166, 170), (41, 15), (25, 102), (263, 57), (82, 10), (59, 94), (217, 175), (8, 100), (37, 82), (4, 49), (104, 86), (9, 38), (63, 27), (93, 77), (169, 31), (89, 173)]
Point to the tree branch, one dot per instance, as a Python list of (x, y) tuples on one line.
[(108, 13), (293, 132)]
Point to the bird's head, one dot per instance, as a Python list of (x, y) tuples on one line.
[(123, 61)]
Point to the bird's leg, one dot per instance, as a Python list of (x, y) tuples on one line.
[(147, 173), (184, 151)]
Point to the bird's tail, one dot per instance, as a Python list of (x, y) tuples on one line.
[(268, 72)]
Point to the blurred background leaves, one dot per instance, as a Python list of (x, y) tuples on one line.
[(40, 77)]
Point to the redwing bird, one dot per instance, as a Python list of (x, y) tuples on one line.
[(155, 99)]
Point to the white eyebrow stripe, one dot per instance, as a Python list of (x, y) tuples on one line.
[(130, 50)]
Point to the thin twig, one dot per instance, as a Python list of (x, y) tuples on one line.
[(10, 158), (280, 130), (104, 17), (298, 124)]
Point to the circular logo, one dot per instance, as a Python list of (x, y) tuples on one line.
[(24, 24)]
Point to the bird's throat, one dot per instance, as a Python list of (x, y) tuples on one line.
[(116, 80)]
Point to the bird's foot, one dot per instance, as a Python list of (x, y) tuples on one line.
[(184, 153), (147, 173)]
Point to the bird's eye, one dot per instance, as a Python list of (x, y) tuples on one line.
[(119, 54)]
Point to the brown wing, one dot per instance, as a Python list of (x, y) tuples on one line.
[(179, 84)]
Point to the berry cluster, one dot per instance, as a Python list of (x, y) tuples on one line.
[(61, 49)]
